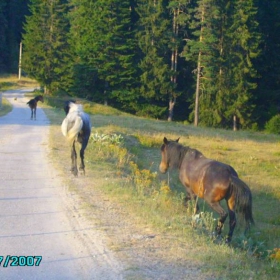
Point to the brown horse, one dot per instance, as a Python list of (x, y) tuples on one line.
[(33, 105), (210, 180)]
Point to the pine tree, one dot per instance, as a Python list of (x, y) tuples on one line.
[(268, 63), (225, 42), (242, 48), (12, 14), (15, 16), (3, 41), (202, 48), (45, 47), (180, 19), (101, 33), (153, 39)]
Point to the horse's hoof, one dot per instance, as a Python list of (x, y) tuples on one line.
[(82, 170), (219, 230), (74, 171), (228, 240)]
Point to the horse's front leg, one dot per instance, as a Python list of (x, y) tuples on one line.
[(35, 114), (191, 197), (186, 200), (74, 168), (31, 114)]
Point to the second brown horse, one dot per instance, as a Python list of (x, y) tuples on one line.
[(33, 105), (210, 180)]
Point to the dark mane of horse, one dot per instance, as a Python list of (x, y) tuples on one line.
[(33, 102), (38, 97), (176, 153), (67, 105)]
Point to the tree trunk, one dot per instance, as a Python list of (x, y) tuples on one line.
[(46, 90), (172, 103), (19, 62), (196, 110), (234, 123), (174, 59)]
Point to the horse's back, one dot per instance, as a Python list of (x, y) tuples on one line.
[(86, 120), (31, 103), (196, 161), (77, 110), (86, 128), (205, 176), (76, 125), (193, 168)]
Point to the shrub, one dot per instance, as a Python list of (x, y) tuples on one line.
[(254, 127), (273, 125), (275, 255)]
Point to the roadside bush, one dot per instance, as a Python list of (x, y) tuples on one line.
[(273, 125)]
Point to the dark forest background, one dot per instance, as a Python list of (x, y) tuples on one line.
[(201, 61)]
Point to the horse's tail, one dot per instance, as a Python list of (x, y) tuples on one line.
[(69, 130), (243, 199)]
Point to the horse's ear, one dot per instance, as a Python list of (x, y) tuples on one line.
[(165, 141), (177, 140)]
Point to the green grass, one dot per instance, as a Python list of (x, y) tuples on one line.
[(6, 107), (127, 173), (11, 82)]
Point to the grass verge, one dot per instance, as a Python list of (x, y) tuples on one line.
[(12, 82), (6, 107), (124, 156)]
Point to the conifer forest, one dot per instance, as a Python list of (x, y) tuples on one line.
[(206, 62)]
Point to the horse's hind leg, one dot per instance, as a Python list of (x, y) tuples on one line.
[(82, 153), (223, 215), (35, 114), (74, 168), (232, 217)]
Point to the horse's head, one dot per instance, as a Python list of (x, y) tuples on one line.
[(165, 157), (40, 98), (67, 106)]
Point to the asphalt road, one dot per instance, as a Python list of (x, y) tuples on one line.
[(36, 219)]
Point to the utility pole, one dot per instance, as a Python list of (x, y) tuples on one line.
[(19, 64)]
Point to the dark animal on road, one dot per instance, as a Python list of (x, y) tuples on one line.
[(210, 180), (76, 127), (33, 105)]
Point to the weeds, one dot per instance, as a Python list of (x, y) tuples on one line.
[(275, 255), (115, 139)]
